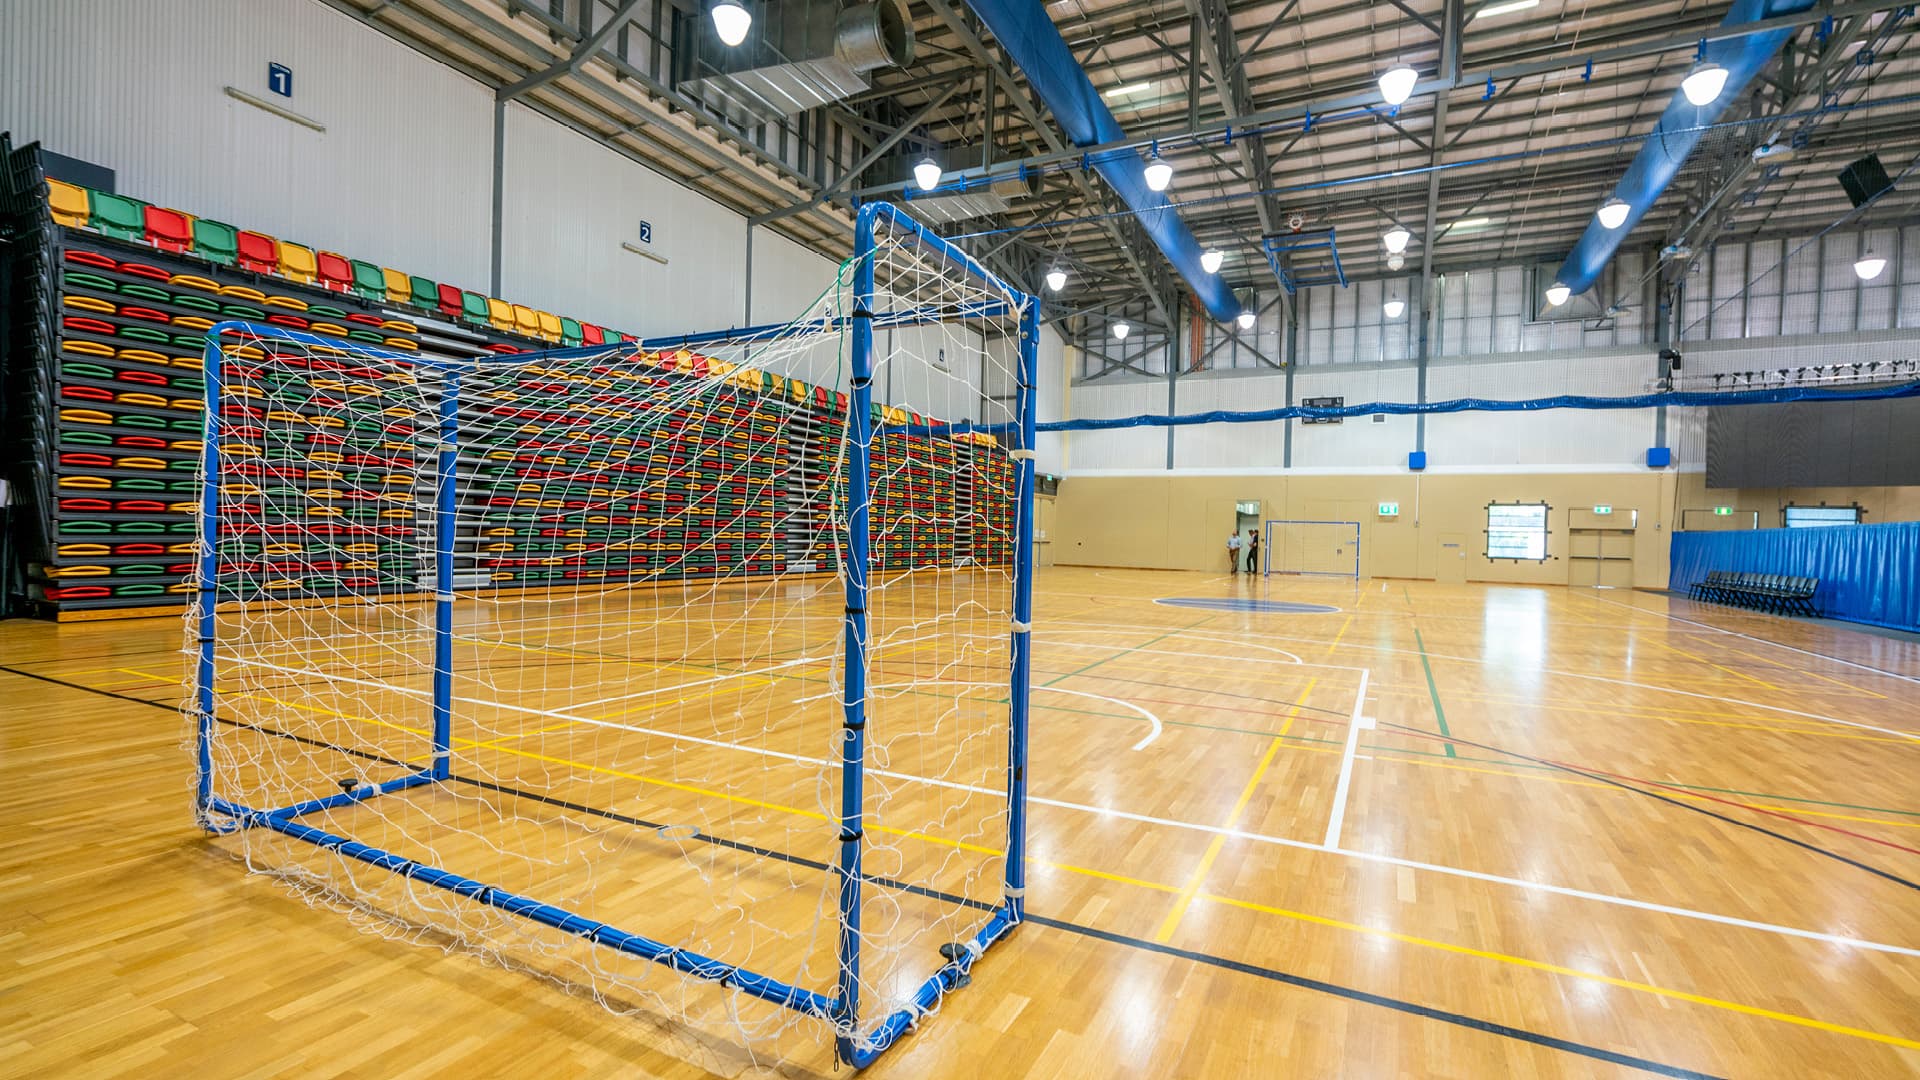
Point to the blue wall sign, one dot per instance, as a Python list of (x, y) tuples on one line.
[(646, 232), (280, 79)]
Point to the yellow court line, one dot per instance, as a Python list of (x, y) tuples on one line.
[(1717, 667), (1219, 841), (1556, 969), (1187, 898), (1798, 671)]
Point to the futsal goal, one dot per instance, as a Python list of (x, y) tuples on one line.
[(1325, 548), (682, 672)]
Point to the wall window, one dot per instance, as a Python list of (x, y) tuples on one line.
[(1811, 517), (1517, 530)]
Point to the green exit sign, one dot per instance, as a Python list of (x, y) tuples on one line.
[(1722, 511), (1390, 509), (1603, 509)]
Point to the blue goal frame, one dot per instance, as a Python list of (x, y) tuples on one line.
[(841, 1008)]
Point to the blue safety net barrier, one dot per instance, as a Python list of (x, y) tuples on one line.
[(1868, 573), (1664, 399)]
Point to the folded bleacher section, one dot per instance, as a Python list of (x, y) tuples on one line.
[(108, 309)]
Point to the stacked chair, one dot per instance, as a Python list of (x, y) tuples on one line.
[(1777, 593)]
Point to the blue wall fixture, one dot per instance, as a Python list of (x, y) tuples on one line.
[(1659, 457), (1868, 573)]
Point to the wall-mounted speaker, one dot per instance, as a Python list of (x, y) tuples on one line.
[(1864, 179)]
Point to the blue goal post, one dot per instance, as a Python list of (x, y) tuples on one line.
[(857, 1043)]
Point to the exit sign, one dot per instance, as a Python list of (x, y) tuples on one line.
[(1391, 509), (1722, 511), (1603, 509)]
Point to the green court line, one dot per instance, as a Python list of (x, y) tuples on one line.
[(1439, 713), (1130, 649)]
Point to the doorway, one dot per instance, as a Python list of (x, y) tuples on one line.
[(1450, 559), (1246, 524)]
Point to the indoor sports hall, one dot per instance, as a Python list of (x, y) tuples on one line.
[(959, 538)]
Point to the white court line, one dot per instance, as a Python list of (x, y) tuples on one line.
[(1483, 662), (1757, 640), (1151, 719), (1237, 834), (1354, 727)]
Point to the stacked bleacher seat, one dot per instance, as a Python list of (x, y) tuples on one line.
[(1779, 593), (117, 296)]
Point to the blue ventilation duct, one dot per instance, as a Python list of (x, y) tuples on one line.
[(1023, 29), (1667, 147)]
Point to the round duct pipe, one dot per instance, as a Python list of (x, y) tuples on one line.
[(867, 37)]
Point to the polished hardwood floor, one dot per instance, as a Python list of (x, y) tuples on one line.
[(1437, 830)]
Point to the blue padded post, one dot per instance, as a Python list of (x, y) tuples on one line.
[(1019, 692), (853, 743), (444, 528), (209, 570)]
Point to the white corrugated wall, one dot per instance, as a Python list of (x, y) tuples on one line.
[(403, 173)]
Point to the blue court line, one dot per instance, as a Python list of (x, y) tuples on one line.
[(1230, 603)]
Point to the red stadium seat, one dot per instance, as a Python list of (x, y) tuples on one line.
[(336, 273), (590, 334), (451, 301), (258, 252), (168, 230)]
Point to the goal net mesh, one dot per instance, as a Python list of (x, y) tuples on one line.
[(572, 628)]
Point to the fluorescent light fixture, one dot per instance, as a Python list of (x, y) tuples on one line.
[(1396, 261), (1869, 266), (1394, 307), (1211, 259), (1396, 239), (1056, 279), (1613, 213), (1396, 86), (1158, 173), (927, 174), (1120, 330), (1245, 318), (1470, 223), (1507, 8), (1129, 89), (731, 21), (1557, 294), (1704, 83)]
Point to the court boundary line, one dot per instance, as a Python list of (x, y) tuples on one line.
[(1354, 726), (1244, 967)]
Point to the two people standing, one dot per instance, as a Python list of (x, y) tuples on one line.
[(1251, 546)]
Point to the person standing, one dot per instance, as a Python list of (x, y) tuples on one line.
[(1233, 552), (1253, 551)]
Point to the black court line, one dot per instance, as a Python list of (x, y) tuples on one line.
[(1669, 800), (1242, 967)]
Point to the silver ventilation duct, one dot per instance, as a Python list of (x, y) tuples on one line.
[(805, 56)]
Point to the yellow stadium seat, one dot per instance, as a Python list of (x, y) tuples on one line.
[(297, 261), (526, 321), (68, 204), (399, 285), (549, 325), (500, 315)]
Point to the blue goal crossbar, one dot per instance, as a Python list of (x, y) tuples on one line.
[(841, 1008)]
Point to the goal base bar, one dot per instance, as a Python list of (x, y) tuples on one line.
[(858, 1053)]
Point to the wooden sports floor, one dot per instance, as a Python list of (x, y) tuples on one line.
[(1463, 831)]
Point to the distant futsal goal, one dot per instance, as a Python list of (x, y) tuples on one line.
[(1324, 548)]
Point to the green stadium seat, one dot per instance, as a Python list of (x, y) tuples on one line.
[(118, 217), (215, 241), (426, 294), (570, 332), (473, 308)]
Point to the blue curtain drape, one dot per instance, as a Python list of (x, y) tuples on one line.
[(1868, 573)]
